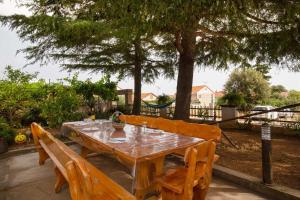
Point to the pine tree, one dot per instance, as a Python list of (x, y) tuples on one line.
[(95, 42), (213, 33)]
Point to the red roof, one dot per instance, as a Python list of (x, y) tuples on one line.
[(219, 93), (144, 95), (198, 88)]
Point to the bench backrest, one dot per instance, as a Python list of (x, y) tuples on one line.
[(166, 125), (205, 131), (86, 181)]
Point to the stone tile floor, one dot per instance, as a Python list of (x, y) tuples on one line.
[(21, 178)]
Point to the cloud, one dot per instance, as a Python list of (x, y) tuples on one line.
[(10, 7)]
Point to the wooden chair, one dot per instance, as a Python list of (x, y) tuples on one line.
[(166, 125), (85, 181), (192, 181)]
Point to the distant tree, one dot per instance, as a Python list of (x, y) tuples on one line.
[(17, 76), (293, 97), (262, 68), (276, 97), (249, 85), (277, 89)]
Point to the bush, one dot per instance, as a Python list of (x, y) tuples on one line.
[(62, 105), (33, 115), (6, 132), (233, 99), (163, 99)]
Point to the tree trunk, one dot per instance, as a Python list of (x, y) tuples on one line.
[(185, 75), (137, 79)]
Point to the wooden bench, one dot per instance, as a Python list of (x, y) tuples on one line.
[(86, 182)]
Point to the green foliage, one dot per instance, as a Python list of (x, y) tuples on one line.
[(33, 115), (105, 115), (203, 113), (119, 36), (248, 86), (277, 89), (163, 99), (104, 88), (233, 99), (6, 132), (16, 93), (293, 97), (61, 105), (262, 68), (3, 124), (17, 76), (24, 101), (124, 109)]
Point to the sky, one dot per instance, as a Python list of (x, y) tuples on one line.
[(10, 43)]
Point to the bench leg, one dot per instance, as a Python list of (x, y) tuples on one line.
[(43, 157), (60, 180)]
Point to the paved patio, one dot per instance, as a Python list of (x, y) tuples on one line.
[(21, 178)]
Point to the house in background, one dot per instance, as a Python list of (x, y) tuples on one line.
[(202, 96), (148, 97), (219, 94)]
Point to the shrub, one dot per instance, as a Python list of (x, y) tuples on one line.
[(6, 132), (163, 99), (62, 105), (33, 115)]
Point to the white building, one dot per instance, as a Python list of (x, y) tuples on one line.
[(203, 96), (148, 97)]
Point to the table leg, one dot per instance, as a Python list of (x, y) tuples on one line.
[(144, 174), (140, 179)]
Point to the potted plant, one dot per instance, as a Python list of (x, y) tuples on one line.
[(230, 103), (161, 100), (116, 122)]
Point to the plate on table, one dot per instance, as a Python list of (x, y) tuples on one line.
[(90, 129)]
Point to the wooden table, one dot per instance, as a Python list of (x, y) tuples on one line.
[(140, 148)]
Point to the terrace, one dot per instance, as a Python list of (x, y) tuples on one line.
[(75, 137), (22, 177)]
